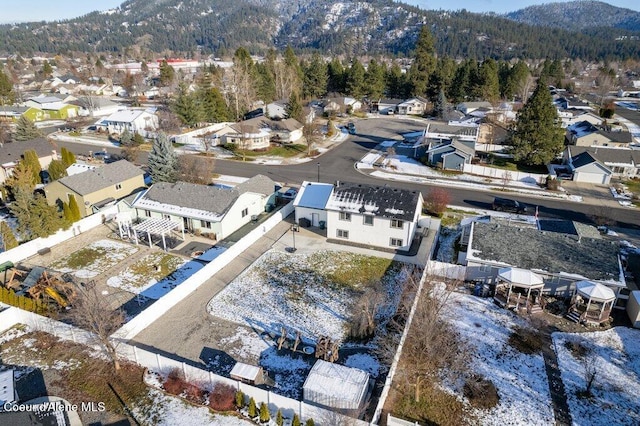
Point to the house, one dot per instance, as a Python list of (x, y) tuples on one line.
[(11, 154), (351, 104), (277, 109), (132, 120), (217, 211), (622, 162), (336, 386), (284, 131), (386, 106), (259, 132), (311, 201), (96, 188), (586, 168), (330, 107), (447, 131), (561, 255), (96, 106), (53, 107), (469, 107), (572, 117), (573, 103), (586, 134), (413, 106), (450, 155)]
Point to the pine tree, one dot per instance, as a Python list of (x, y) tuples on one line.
[(126, 138), (30, 157), (8, 238), (68, 157), (239, 399), (26, 130), (252, 411), (356, 84), (56, 170), (295, 421), (309, 422), (440, 107), (375, 78), (336, 76), (7, 95), (187, 107), (424, 63), (537, 138), (167, 73), (45, 219), (163, 161), (294, 108), (66, 212), (74, 209), (47, 70), (138, 139), (315, 78), (265, 416), (279, 418)]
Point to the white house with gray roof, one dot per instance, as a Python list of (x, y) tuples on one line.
[(132, 120), (562, 255), (207, 209)]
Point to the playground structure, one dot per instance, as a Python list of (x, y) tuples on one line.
[(39, 284), (325, 349)]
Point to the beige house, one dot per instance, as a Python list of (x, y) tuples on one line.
[(11, 153), (96, 188)]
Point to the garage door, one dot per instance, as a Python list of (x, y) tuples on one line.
[(599, 178)]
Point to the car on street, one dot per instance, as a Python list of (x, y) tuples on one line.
[(352, 128), (508, 205)]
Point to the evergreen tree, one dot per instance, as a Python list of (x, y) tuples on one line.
[(537, 137), (214, 107), (30, 157), (309, 422), (295, 421), (396, 85), (167, 73), (187, 107), (163, 161), (68, 157), (7, 95), (375, 78), (460, 89), (265, 416), (66, 212), (239, 399), (442, 77), (315, 78), (74, 209), (56, 170), (424, 63), (279, 418), (488, 82), (8, 238), (336, 76), (138, 139), (45, 220), (47, 70), (356, 84), (440, 107), (26, 130), (265, 82), (294, 108), (126, 138), (252, 411)]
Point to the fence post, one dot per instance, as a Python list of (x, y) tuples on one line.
[(135, 354), (184, 371), (158, 361)]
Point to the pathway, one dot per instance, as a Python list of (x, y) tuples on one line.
[(556, 385)]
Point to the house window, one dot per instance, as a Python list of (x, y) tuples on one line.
[(345, 216), (485, 268), (118, 187), (396, 223), (205, 224), (147, 213), (245, 212), (368, 220), (166, 216), (396, 242), (341, 233)]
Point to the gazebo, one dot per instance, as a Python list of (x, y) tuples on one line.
[(157, 226), (515, 287), (592, 303)]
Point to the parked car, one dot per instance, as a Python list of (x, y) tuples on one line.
[(290, 194), (508, 205), (352, 128)]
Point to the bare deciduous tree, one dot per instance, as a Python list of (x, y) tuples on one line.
[(94, 312), (311, 135), (196, 169)]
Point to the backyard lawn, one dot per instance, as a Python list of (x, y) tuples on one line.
[(94, 259)]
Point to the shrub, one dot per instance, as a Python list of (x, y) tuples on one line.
[(526, 340), (239, 399), (174, 384), (265, 416), (481, 392), (279, 419), (194, 393), (252, 410), (222, 397), (436, 201), (310, 422), (295, 421), (552, 184)]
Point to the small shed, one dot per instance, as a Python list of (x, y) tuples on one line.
[(8, 394), (246, 373), (336, 386), (633, 308)]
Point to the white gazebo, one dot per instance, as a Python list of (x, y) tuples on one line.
[(514, 289), (599, 302), (157, 226)]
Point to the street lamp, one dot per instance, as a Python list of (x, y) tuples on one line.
[(318, 172), (294, 228)]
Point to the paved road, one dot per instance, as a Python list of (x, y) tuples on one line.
[(338, 164)]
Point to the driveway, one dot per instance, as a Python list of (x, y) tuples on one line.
[(591, 193)]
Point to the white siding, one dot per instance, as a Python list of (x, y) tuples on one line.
[(379, 234), (233, 219), (314, 215)]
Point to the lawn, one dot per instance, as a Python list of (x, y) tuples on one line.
[(96, 258), (506, 164), (284, 151), (314, 294)]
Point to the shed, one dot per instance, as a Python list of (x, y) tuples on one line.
[(633, 308), (8, 393), (311, 201), (246, 373), (336, 386)]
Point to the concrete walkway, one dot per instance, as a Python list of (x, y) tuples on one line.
[(556, 385)]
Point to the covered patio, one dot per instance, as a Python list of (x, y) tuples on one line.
[(592, 303), (157, 226), (519, 288)]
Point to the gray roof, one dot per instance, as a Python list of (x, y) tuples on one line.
[(582, 159), (206, 198), (383, 201), (609, 155), (439, 127), (620, 137), (101, 177), (568, 227), (13, 151), (533, 249)]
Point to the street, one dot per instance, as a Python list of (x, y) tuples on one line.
[(338, 164)]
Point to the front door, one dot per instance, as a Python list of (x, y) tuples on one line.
[(315, 217), (186, 221)]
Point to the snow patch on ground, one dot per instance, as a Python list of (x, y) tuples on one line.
[(245, 345), (105, 254), (365, 362), (520, 379), (616, 355)]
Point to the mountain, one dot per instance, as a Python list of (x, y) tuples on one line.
[(349, 27), (578, 16)]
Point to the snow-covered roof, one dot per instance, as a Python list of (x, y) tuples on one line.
[(595, 292), (523, 277), (124, 116), (76, 168), (245, 371), (313, 195), (383, 201), (336, 382)]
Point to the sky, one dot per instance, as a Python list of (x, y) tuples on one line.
[(51, 10)]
